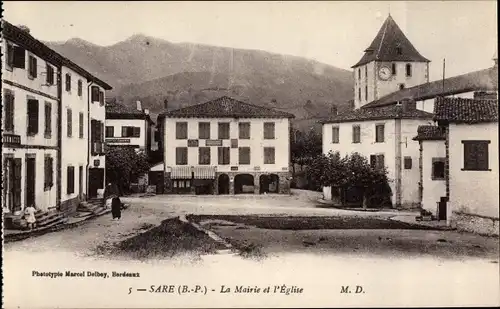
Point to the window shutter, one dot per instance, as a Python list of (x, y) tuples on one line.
[(136, 131), (269, 155), (34, 67), (17, 183), (32, 116), (80, 125), (69, 122), (373, 161), (19, 57), (48, 119), (101, 97), (9, 111), (51, 171), (269, 130)]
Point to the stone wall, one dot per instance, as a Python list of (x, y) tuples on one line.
[(69, 206), (482, 225)]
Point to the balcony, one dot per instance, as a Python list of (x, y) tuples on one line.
[(11, 139)]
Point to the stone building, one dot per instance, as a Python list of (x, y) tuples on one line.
[(226, 146)]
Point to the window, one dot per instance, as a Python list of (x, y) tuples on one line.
[(269, 155), (223, 130), (80, 88), (356, 134), (19, 57), (366, 93), (366, 72), (244, 130), (401, 86), (181, 130), (50, 75), (244, 155), (399, 50), (269, 130), (101, 98), (80, 125), (131, 131), (70, 182), (359, 94), (32, 67), (377, 161), (408, 69), (476, 155), (204, 155), (68, 82), (94, 94), (335, 135), (48, 120), (224, 155), (204, 130), (8, 107), (394, 71), (32, 117), (438, 168), (69, 122), (407, 163), (110, 131), (379, 133), (9, 57), (181, 157), (359, 73), (48, 173)]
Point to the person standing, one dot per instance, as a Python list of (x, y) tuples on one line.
[(29, 215), (116, 208)]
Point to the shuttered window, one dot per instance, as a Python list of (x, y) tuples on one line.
[(80, 125), (80, 88), (48, 120), (32, 117), (379, 133), (244, 130), (8, 99), (223, 130), (407, 163), (101, 98), (269, 155), (110, 131), (269, 130), (95, 94), (244, 155), (356, 134), (224, 155), (408, 69), (181, 156), (377, 161), (70, 181), (204, 155), (19, 60), (48, 173), (68, 82), (50, 75), (335, 135), (17, 183), (181, 130), (69, 122), (476, 155), (204, 130), (131, 131), (32, 67), (9, 56), (438, 169)]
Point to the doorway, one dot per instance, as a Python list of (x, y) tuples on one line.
[(442, 211), (30, 181), (243, 183), (96, 181), (80, 182), (223, 184)]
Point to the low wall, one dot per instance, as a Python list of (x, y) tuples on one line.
[(69, 206), (482, 225)]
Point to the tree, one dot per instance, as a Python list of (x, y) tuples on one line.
[(123, 164)]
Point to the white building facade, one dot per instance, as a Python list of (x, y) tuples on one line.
[(226, 147)]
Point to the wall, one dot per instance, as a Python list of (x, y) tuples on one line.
[(74, 149), (483, 184), (367, 147), (368, 76), (433, 190), (428, 105), (119, 123), (256, 143)]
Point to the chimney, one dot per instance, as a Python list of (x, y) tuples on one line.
[(146, 111), (485, 95), (334, 109), (139, 106), (165, 104), (24, 28)]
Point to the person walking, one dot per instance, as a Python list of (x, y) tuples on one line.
[(29, 216), (116, 208)]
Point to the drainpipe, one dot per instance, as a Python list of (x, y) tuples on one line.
[(89, 142), (59, 138)]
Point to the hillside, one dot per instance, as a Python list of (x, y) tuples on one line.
[(152, 70)]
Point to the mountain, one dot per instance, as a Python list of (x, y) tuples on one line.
[(152, 70)]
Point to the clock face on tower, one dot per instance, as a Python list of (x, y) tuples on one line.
[(384, 73)]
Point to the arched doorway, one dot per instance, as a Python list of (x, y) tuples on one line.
[(243, 183), (264, 181), (223, 184), (274, 183)]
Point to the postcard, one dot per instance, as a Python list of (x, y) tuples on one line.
[(250, 154)]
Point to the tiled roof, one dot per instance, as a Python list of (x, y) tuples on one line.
[(486, 79), (27, 41), (226, 107), (459, 110), (385, 112), (384, 46), (430, 133), (116, 110)]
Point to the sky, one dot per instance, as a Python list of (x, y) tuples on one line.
[(335, 32)]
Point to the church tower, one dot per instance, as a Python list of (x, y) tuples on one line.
[(389, 64)]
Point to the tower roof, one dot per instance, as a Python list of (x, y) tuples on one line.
[(391, 44)]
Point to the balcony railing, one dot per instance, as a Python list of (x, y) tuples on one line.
[(11, 139)]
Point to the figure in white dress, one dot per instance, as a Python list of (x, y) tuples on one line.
[(29, 215)]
